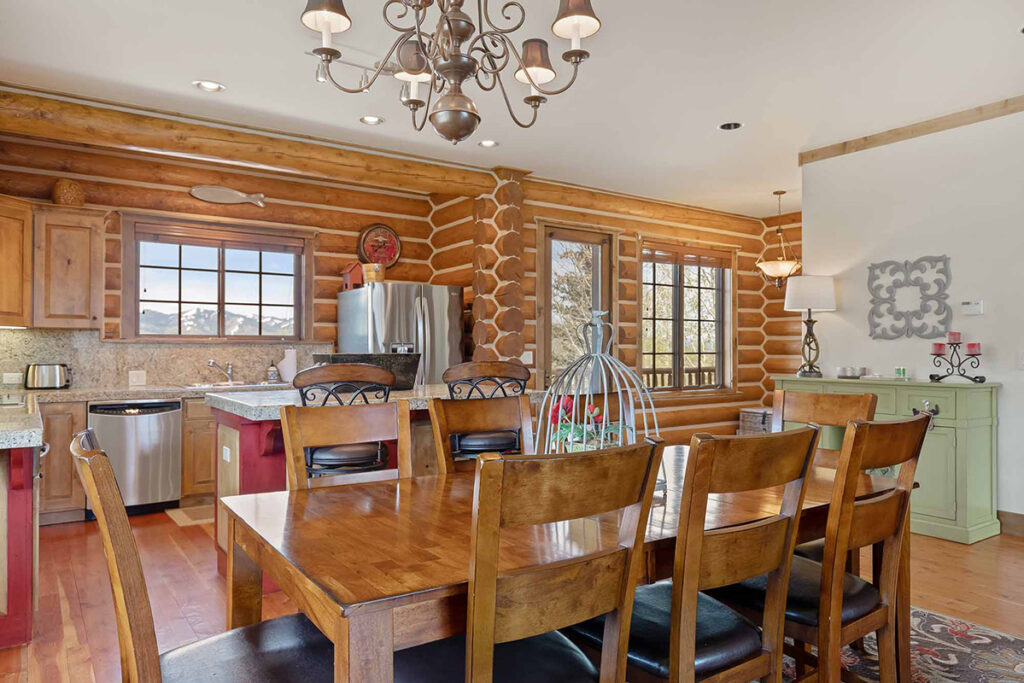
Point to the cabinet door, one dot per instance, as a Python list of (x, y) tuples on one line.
[(15, 262), (936, 474), (60, 489), (68, 276), (198, 464)]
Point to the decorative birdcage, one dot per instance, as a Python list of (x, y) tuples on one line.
[(596, 402)]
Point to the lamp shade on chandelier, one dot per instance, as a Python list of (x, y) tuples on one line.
[(435, 66)]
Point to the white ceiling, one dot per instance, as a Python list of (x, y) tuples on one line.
[(642, 119)]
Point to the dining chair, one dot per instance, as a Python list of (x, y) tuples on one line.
[(517, 602), (312, 428), (825, 410), (679, 632), (508, 419), (827, 606), (486, 379), (344, 384), (287, 649)]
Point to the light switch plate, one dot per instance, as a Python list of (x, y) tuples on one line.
[(225, 453), (12, 378), (1020, 360), (972, 307), (136, 378)]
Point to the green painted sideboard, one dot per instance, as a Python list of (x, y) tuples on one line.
[(957, 471)]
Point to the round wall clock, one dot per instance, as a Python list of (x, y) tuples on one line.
[(378, 243)]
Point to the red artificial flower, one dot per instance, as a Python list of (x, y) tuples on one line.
[(567, 403)]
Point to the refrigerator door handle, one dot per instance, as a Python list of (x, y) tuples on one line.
[(420, 341), (428, 330)]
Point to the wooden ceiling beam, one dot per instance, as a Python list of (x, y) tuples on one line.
[(71, 122), (961, 118)]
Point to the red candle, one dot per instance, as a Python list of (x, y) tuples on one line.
[(953, 338), (974, 349), (938, 349)]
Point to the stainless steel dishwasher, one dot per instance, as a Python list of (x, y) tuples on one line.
[(143, 441)]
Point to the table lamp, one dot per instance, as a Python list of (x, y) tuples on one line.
[(810, 293)]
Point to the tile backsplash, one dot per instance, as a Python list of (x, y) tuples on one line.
[(106, 364)]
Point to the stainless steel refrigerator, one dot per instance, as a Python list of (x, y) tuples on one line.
[(404, 317)]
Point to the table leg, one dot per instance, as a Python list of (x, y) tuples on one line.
[(364, 649), (245, 585), (903, 614)]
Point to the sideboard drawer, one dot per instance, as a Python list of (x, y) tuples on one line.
[(944, 399), (886, 395)]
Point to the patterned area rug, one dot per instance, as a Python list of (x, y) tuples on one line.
[(947, 650)]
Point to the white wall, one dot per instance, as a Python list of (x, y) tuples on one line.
[(960, 193)]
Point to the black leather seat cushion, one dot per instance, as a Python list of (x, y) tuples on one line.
[(485, 442), (347, 455), (548, 658), (859, 596), (289, 649), (724, 637), (813, 550)]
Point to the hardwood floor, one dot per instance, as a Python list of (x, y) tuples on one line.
[(76, 639)]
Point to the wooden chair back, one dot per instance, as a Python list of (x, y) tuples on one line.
[(338, 425), (457, 416), (343, 384), (763, 545), (136, 635), (854, 524), (825, 410), (486, 379), (526, 490)]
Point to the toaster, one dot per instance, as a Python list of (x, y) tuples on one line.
[(47, 376)]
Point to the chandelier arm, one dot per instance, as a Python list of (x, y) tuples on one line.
[(426, 113), (509, 50), (401, 15), (435, 43), (485, 16), (377, 72), (511, 111), (497, 51)]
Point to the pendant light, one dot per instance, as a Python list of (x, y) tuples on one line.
[(776, 271)]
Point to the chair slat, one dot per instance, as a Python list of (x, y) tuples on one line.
[(734, 554), (827, 410), (740, 462), (876, 519)]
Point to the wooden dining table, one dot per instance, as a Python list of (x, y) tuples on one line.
[(383, 566)]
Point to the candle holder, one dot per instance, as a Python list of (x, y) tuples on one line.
[(956, 363)]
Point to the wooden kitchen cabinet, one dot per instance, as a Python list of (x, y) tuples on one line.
[(198, 449), (67, 288), (61, 496), (15, 262)]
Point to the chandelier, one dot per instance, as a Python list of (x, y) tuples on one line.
[(778, 270), (435, 66)]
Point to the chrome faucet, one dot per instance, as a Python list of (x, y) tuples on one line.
[(229, 372)]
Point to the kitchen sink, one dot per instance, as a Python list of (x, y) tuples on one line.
[(234, 385)]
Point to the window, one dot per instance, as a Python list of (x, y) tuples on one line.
[(236, 285), (578, 281), (685, 309)]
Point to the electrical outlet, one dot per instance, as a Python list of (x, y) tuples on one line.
[(12, 378), (225, 453), (136, 378)]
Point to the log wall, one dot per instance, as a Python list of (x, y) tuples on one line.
[(138, 183)]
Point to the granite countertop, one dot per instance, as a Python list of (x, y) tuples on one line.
[(266, 405), (21, 426)]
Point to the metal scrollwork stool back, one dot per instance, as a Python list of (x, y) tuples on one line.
[(344, 384), (483, 380)]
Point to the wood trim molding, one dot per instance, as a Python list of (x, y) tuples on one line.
[(103, 127), (985, 112), (1011, 523)]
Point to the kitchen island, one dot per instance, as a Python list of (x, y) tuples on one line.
[(21, 434), (250, 449)]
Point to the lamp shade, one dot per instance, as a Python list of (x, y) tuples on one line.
[(537, 63), (329, 15), (573, 15), (412, 62), (810, 292)]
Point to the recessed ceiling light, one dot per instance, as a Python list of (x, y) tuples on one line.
[(372, 120), (731, 125), (209, 86), (488, 144)]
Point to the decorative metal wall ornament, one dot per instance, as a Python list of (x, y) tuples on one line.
[(596, 402), (931, 276), (456, 51)]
